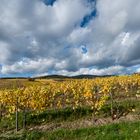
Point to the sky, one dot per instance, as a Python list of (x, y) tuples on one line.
[(69, 37)]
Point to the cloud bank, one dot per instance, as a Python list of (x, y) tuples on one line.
[(37, 37)]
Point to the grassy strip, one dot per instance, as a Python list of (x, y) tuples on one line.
[(120, 131)]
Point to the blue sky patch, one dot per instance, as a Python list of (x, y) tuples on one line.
[(87, 18), (90, 16), (49, 2), (84, 49)]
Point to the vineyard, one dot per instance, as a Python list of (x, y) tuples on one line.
[(117, 96)]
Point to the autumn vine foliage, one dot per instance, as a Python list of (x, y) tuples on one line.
[(93, 93)]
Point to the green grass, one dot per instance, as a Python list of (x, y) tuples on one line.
[(48, 116), (120, 131), (67, 114), (64, 115)]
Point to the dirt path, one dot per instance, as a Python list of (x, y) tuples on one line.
[(84, 123)]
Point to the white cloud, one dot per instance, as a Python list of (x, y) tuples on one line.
[(106, 71), (138, 70), (79, 36), (92, 71), (4, 53), (27, 65)]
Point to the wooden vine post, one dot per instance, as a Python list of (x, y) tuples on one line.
[(16, 114), (24, 118)]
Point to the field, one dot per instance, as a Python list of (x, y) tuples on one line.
[(84, 109)]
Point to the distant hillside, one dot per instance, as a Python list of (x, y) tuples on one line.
[(136, 73), (52, 77), (83, 76), (89, 76), (14, 78)]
